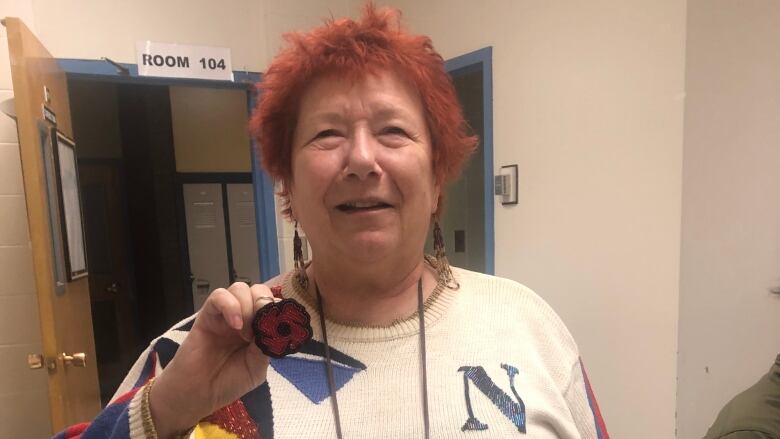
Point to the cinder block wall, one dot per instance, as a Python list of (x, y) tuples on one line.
[(24, 404)]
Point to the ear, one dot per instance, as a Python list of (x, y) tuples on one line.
[(288, 198)]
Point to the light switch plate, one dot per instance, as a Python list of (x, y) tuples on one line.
[(509, 192)]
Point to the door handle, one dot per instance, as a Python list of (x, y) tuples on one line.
[(78, 359)]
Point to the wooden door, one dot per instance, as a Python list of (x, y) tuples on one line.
[(65, 316)]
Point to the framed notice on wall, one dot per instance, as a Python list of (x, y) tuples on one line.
[(70, 206)]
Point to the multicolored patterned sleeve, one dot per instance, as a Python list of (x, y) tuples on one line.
[(120, 419), (583, 405)]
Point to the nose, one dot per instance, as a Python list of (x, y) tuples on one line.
[(361, 160)]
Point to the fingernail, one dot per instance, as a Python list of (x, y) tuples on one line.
[(237, 322)]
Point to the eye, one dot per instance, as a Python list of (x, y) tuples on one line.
[(326, 133), (395, 130)]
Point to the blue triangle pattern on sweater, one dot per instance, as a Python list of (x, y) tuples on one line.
[(309, 376)]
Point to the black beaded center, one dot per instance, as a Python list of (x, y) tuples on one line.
[(284, 329)]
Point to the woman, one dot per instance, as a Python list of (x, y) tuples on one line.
[(360, 124)]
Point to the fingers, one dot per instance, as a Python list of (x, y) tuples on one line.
[(237, 305), (241, 292), (221, 302)]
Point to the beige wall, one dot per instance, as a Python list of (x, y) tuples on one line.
[(24, 403), (209, 129), (588, 101), (729, 321)]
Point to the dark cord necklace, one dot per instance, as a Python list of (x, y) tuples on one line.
[(423, 360)]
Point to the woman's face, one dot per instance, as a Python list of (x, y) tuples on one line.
[(363, 185)]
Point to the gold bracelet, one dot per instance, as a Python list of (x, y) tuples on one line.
[(146, 414), (146, 411)]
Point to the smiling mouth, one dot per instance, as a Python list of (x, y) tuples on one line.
[(362, 206)]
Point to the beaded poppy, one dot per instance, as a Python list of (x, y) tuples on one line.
[(281, 328)]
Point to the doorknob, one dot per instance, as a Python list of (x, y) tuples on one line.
[(38, 361), (113, 288), (78, 359)]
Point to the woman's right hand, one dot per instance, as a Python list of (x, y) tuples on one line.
[(216, 363)]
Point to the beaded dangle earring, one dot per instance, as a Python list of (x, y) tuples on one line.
[(300, 266), (442, 264)]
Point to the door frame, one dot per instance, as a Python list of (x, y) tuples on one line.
[(265, 206), (482, 59)]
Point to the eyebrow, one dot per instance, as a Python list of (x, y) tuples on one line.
[(386, 112), (392, 112), (326, 116)]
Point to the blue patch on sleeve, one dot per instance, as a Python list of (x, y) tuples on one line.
[(112, 423)]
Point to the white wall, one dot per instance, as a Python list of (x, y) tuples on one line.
[(588, 101), (729, 322), (24, 400)]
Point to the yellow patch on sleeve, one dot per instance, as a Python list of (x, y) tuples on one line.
[(207, 430)]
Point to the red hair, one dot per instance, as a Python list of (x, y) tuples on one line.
[(354, 49)]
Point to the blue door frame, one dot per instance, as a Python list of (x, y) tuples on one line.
[(265, 208), (482, 59)]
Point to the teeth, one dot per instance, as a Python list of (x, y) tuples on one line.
[(362, 204)]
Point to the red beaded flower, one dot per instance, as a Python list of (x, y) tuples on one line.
[(281, 328)]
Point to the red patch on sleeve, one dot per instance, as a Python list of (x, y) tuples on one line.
[(127, 396), (75, 431), (235, 419)]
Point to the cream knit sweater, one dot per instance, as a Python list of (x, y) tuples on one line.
[(501, 364)]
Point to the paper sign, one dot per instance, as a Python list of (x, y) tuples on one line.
[(183, 61)]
